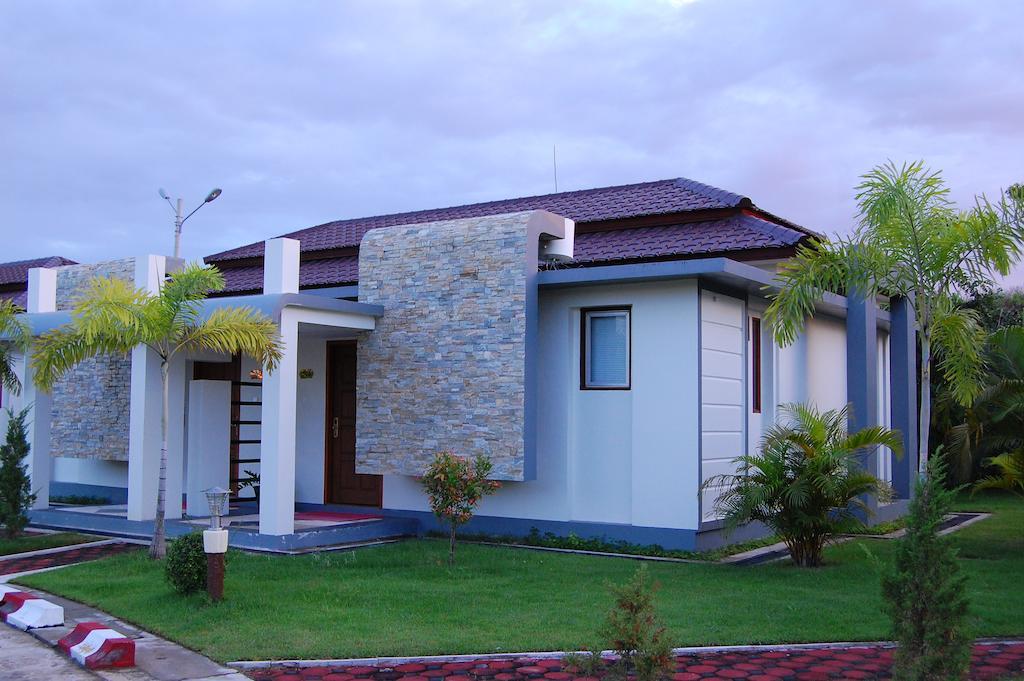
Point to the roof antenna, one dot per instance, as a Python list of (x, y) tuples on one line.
[(554, 163)]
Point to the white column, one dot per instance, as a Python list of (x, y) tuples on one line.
[(209, 449), (281, 266), (144, 417), (277, 447), (42, 290), (176, 437), (42, 297)]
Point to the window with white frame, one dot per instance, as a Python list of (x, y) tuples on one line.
[(605, 356)]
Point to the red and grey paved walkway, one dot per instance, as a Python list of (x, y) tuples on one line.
[(990, 661), (62, 556)]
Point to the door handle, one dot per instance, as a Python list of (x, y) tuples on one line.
[(334, 427)]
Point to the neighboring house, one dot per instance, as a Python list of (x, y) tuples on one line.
[(603, 347), (14, 276), (14, 287)]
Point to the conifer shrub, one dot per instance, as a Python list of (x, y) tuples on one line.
[(634, 633), (925, 593), (16, 496)]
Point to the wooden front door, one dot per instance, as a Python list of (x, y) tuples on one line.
[(343, 484)]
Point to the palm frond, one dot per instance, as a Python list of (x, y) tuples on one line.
[(112, 306), (959, 340), (58, 351), (231, 330), (15, 336), (1010, 477)]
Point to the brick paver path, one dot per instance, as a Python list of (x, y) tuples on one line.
[(9, 566), (990, 661)]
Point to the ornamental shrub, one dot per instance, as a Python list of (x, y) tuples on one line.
[(807, 483), (16, 495), (924, 592), (455, 485), (185, 568)]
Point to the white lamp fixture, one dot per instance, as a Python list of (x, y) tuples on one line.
[(217, 498)]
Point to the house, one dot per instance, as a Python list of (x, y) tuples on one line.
[(604, 348), (14, 276)]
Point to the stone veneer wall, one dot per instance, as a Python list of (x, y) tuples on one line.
[(444, 368), (90, 405)]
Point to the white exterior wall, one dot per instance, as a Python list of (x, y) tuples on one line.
[(612, 456), (826, 362), (310, 419), (884, 415), (723, 390), (90, 471)]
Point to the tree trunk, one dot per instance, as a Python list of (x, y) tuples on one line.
[(451, 547), (158, 549), (925, 422)]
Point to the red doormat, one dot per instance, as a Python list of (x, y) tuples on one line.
[(336, 517)]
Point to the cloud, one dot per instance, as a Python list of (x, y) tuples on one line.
[(309, 112)]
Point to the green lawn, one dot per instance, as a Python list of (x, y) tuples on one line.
[(34, 542), (402, 600)]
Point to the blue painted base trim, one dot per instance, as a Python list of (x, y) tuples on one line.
[(669, 538), (112, 495)]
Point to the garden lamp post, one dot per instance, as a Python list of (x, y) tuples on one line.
[(215, 543), (179, 220)]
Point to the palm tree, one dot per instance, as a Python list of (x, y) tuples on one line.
[(807, 482), (913, 243), (994, 424), (14, 337), (113, 317)]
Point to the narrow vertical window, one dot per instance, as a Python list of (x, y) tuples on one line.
[(605, 361), (755, 364)]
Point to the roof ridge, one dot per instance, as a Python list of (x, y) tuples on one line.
[(711, 190), (703, 190), (43, 259)]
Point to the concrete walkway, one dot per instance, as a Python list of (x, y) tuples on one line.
[(33, 655)]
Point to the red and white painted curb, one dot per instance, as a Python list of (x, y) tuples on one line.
[(95, 645), (26, 611)]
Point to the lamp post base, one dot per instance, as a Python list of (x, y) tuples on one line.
[(215, 576), (215, 543)]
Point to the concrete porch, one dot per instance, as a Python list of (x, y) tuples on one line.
[(316, 526)]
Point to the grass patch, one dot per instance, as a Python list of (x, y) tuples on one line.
[(401, 599), (35, 542)]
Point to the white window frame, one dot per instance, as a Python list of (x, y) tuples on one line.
[(586, 383)]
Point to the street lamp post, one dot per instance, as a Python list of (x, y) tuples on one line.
[(178, 208), (215, 543)]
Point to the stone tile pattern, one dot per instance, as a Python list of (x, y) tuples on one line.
[(990, 661), (11, 565), (445, 367), (90, 405)]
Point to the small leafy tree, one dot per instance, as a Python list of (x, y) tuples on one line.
[(14, 337), (924, 592), (114, 317), (913, 243), (16, 495), (807, 482), (633, 631), (455, 485)]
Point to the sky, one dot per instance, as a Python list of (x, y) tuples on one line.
[(314, 111)]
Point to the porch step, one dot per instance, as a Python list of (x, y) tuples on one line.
[(350, 535)]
